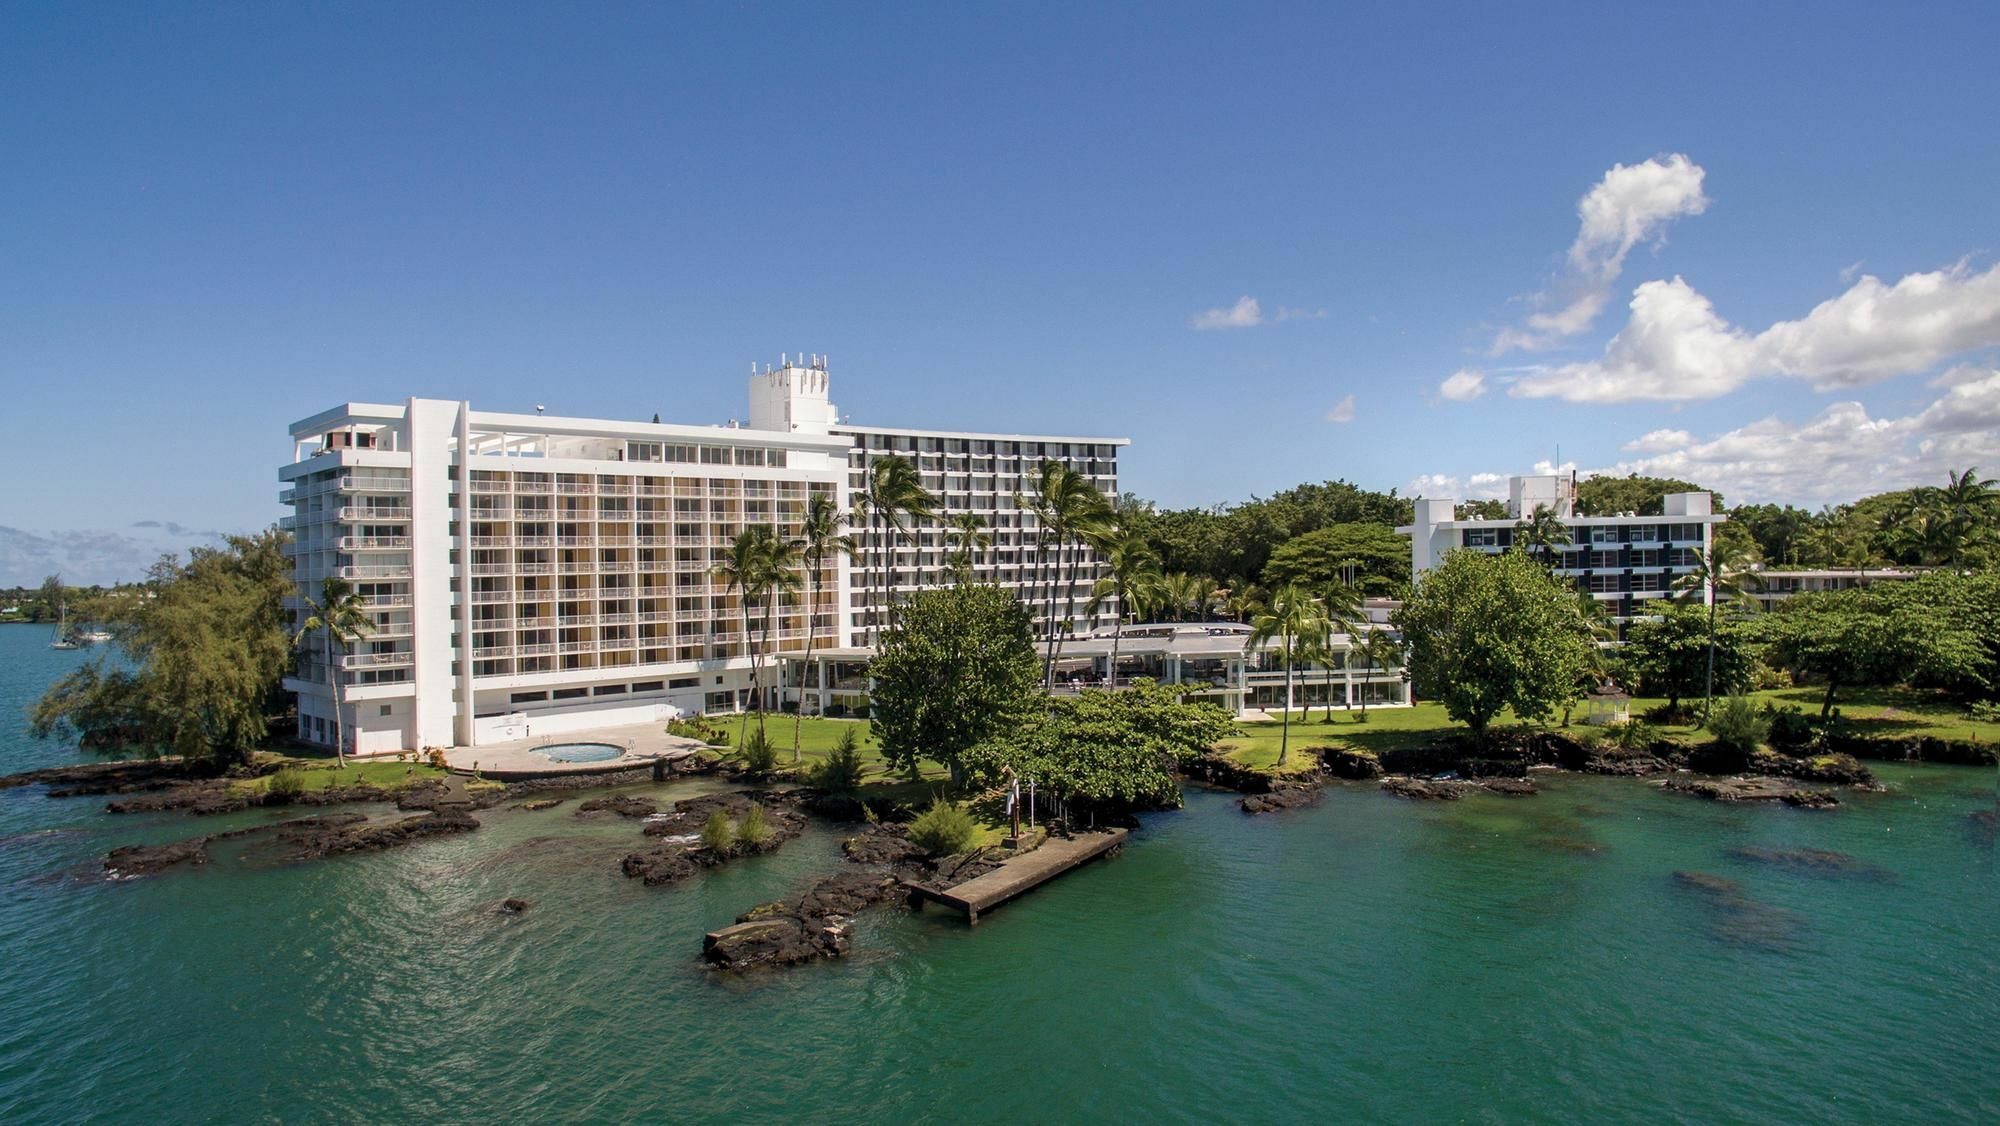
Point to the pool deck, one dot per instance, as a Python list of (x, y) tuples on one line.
[(1021, 874), (645, 745)]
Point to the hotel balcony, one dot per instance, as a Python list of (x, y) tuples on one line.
[(375, 660), (393, 571), (373, 543), (385, 514)]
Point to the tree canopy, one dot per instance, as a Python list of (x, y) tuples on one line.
[(1491, 632), (1670, 654), (204, 651), (957, 666), (1645, 496), (1105, 749), (1941, 631), (1372, 556)]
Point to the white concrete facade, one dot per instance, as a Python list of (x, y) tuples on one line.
[(1624, 561), (532, 575)]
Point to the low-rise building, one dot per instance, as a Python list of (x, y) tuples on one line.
[(1625, 561), (1769, 587)]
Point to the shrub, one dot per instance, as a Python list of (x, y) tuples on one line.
[(1635, 735), (1986, 711), (285, 786), (1789, 727), (942, 829), (719, 834), (756, 828), (700, 728), (841, 771), (758, 755), (1738, 725)]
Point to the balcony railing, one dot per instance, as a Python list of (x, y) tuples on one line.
[(491, 569), (383, 513), (577, 619), (493, 652), (375, 660), (388, 572), (384, 601), (363, 483), (487, 596), (535, 568), (577, 647), (373, 543), (534, 541), (543, 622)]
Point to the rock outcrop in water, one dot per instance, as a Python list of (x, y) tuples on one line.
[(1755, 789), (305, 838), (1816, 861), (1738, 919), (678, 856), (1282, 797), (1422, 789), (624, 805)]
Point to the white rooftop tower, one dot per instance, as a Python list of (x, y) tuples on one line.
[(793, 398)]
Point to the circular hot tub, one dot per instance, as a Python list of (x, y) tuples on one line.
[(580, 752)]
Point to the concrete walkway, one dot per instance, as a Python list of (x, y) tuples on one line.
[(641, 744), (1021, 874)]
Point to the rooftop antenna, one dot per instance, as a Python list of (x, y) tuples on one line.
[(539, 408)]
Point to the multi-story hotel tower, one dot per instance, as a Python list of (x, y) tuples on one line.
[(556, 574)]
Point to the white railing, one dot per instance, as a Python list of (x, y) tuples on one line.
[(535, 568), (534, 541), (373, 543), (389, 572), (365, 513), (577, 620), (614, 619), (490, 569), (381, 601), (577, 647), (493, 652), (483, 596), (541, 650), (375, 660), (522, 485)]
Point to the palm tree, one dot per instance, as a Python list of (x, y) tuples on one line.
[(1541, 533), (1293, 614), (823, 540), (1966, 503), (1065, 506), (1718, 571), (1242, 603), (1340, 611), (968, 536), (1380, 650), (1132, 578), (338, 617), (891, 502), (757, 565)]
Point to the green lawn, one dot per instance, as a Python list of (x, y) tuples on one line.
[(320, 773), (1881, 712)]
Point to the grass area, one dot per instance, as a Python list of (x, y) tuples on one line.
[(879, 782), (1886, 713), (321, 773)]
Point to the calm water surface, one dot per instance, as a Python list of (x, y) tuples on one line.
[(1490, 960)]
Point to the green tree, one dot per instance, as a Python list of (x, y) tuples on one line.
[(1290, 618), (956, 667), (1068, 510), (891, 502), (759, 569), (968, 537), (1132, 579), (1370, 556), (339, 619), (1719, 572), (1491, 632), (1670, 655), (1541, 534), (1104, 749), (1643, 496), (1967, 504), (205, 652), (822, 542)]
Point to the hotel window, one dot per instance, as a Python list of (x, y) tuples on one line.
[(715, 455), (1603, 534), (1482, 537)]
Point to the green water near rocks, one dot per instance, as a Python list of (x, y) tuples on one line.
[(1490, 960)]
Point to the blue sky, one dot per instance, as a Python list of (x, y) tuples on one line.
[(217, 219)]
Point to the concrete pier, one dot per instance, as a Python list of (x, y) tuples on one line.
[(1022, 874)]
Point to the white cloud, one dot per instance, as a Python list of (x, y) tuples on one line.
[(1343, 411), (1676, 347), (1463, 385), (1631, 204), (1659, 441), (1838, 455), (1479, 486), (1244, 314)]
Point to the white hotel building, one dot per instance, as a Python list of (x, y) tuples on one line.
[(1624, 560), (530, 574)]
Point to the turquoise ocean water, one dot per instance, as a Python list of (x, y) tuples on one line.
[(1493, 960)]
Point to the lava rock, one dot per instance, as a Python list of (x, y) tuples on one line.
[(1351, 764), (1290, 797), (512, 906), (1418, 788), (1512, 787), (539, 804), (1817, 861), (624, 805), (1754, 789)]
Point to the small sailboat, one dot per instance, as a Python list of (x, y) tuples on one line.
[(65, 637)]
